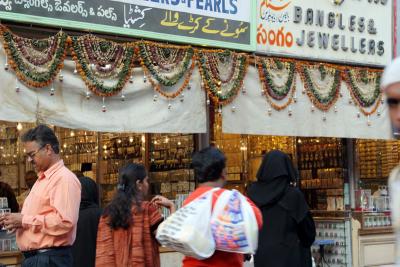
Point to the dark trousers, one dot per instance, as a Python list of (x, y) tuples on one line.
[(52, 258)]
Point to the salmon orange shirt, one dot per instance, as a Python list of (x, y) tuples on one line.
[(50, 212), (220, 258)]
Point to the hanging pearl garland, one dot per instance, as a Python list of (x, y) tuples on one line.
[(323, 103), (35, 62), (98, 60), (52, 90), (17, 88), (212, 64), (104, 108), (354, 78), (270, 90)]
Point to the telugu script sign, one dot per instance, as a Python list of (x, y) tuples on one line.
[(222, 23), (346, 31)]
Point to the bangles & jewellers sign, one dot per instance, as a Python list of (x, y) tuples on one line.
[(348, 31), (221, 23)]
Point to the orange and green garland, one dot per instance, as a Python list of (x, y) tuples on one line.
[(166, 65), (210, 70), (35, 62), (322, 102), (106, 67), (100, 61), (355, 78), (271, 91)]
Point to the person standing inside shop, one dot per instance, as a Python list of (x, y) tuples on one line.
[(30, 179), (84, 248), (209, 171), (7, 192), (390, 85), (289, 230), (126, 234), (46, 226)]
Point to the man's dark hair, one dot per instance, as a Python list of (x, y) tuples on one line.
[(43, 135), (208, 164)]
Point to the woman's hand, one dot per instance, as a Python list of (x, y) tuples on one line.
[(164, 202)]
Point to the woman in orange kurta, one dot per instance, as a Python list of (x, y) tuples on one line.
[(126, 230)]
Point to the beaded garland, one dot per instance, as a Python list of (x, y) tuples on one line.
[(98, 59), (322, 102), (167, 64), (106, 67), (273, 92), (35, 62), (365, 99), (213, 64)]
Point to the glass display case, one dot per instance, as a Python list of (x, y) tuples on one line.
[(375, 159), (235, 148), (323, 172), (335, 232), (7, 240), (373, 220), (117, 149), (79, 150), (170, 166), (9, 152)]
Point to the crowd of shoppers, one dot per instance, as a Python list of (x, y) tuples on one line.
[(61, 223)]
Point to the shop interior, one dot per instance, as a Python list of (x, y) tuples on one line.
[(344, 180)]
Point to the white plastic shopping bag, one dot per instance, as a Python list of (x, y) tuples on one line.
[(233, 224), (188, 229)]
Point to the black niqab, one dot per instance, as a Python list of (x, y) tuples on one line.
[(288, 229), (273, 178), (90, 193), (84, 248)]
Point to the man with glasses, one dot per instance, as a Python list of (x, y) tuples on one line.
[(46, 226), (391, 87)]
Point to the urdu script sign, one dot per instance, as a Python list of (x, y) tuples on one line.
[(345, 31), (221, 23)]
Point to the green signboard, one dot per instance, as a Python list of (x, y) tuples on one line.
[(216, 23)]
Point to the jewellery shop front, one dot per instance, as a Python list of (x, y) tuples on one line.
[(113, 99), (330, 117), (113, 102), (99, 134)]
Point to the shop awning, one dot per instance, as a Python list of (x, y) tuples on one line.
[(70, 108)]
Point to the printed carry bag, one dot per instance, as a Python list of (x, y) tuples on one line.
[(188, 229), (233, 224)]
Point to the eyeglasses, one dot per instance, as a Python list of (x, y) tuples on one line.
[(393, 102), (31, 155)]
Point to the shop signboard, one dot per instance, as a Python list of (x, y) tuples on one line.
[(346, 31), (221, 23)]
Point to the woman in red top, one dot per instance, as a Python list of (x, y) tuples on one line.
[(209, 170), (126, 233)]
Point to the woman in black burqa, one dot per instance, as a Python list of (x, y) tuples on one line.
[(288, 230), (84, 248)]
